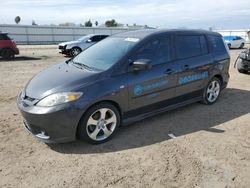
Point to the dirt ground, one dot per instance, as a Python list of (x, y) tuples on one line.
[(211, 148)]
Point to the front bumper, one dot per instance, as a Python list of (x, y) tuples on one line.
[(56, 124), (63, 50), (16, 51)]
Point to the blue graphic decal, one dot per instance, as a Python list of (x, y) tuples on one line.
[(194, 77), (138, 89)]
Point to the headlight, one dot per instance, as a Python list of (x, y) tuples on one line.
[(59, 98)]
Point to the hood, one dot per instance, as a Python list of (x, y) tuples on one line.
[(69, 43), (62, 77)]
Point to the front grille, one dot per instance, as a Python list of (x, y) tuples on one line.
[(29, 98), (61, 47)]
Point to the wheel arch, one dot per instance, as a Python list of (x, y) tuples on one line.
[(219, 77)]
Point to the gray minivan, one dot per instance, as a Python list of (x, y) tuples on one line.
[(123, 79)]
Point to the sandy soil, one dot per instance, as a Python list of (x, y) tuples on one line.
[(212, 148)]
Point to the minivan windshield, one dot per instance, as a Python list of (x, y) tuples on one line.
[(106, 53)]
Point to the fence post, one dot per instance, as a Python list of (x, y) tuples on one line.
[(53, 35), (27, 35)]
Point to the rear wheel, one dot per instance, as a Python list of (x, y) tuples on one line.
[(75, 51), (242, 45), (7, 54), (99, 123), (212, 91)]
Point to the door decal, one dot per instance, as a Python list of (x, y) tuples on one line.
[(193, 77), (138, 89)]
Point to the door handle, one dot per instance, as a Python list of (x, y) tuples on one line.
[(186, 67), (169, 71)]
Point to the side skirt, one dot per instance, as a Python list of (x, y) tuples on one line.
[(139, 117)]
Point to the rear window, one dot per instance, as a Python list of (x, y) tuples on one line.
[(4, 37), (191, 46), (217, 44)]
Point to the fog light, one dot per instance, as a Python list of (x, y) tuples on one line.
[(42, 135)]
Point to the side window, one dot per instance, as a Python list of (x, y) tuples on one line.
[(95, 38), (103, 37), (157, 50), (217, 44), (4, 37), (189, 46), (203, 42)]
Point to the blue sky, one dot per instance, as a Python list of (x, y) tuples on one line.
[(156, 13)]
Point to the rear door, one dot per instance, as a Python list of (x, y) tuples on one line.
[(5, 41), (194, 62), (157, 84)]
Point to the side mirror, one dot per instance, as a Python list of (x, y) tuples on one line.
[(141, 64), (89, 41)]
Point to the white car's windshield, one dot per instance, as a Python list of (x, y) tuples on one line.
[(106, 53)]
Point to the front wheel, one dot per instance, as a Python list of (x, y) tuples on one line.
[(75, 51), (212, 91), (99, 123)]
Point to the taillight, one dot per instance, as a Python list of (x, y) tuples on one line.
[(14, 43)]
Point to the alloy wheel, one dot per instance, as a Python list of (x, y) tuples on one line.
[(213, 91), (101, 124)]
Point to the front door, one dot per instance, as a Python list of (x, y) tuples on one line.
[(157, 84)]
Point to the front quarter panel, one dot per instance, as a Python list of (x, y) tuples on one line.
[(111, 88)]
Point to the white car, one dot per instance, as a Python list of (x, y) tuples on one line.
[(73, 48), (234, 41)]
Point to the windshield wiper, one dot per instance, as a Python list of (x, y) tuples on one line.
[(81, 65)]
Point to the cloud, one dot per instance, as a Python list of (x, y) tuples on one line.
[(168, 13)]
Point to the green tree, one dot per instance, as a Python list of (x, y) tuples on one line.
[(111, 23), (33, 22), (88, 24), (17, 19)]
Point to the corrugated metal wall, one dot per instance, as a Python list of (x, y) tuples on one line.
[(52, 34)]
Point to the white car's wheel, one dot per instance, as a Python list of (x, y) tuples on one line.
[(75, 51)]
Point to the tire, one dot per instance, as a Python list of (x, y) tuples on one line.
[(75, 51), (242, 45), (7, 54), (243, 71), (99, 123), (212, 91), (229, 46)]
